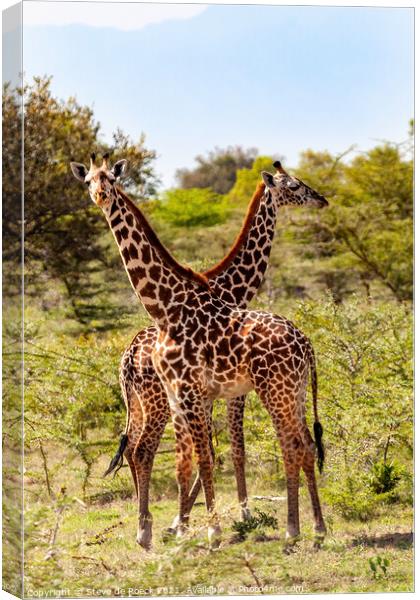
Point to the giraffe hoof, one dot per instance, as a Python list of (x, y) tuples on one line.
[(245, 514), (175, 524), (290, 545), (288, 549), (181, 530), (319, 538), (168, 534), (144, 541), (215, 536), (144, 534)]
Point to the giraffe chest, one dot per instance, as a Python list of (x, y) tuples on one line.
[(216, 356)]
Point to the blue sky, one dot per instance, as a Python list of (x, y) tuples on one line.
[(278, 78)]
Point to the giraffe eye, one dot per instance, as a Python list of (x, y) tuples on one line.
[(293, 186)]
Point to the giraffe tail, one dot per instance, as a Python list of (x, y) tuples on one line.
[(118, 460), (317, 425)]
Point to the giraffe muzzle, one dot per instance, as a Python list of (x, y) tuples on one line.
[(100, 198)]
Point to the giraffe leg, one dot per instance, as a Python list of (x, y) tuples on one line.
[(128, 453), (236, 431), (292, 479), (282, 409), (308, 465), (184, 446), (134, 428), (191, 428), (309, 470), (196, 487), (144, 455), (148, 417), (134, 423), (205, 458), (183, 471)]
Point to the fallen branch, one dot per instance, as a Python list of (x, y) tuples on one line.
[(253, 573), (270, 498), (96, 561)]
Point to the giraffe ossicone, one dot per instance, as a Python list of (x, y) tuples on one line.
[(207, 347)]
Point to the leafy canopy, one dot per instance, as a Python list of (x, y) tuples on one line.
[(192, 208), (217, 170), (64, 232)]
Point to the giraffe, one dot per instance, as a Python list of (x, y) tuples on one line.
[(206, 349), (236, 281)]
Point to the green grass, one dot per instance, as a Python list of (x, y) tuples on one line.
[(84, 545), (95, 552)]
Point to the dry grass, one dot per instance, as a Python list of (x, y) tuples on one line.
[(95, 553)]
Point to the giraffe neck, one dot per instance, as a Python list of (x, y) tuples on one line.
[(159, 281), (238, 282)]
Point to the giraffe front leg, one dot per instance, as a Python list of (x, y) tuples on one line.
[(205, 457), (191, 422), (192, 497), (184, 447), (235, 409), (196, 487)]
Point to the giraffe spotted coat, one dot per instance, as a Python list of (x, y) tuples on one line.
[(207, 348), (235, 282)]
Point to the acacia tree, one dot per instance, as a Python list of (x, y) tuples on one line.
[(217, 170), (63, 231), (366, 233)]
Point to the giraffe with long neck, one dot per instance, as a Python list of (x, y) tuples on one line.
[(236, 280), (207, 348)]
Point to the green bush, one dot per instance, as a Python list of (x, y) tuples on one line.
[(194, 207), (384, 478)]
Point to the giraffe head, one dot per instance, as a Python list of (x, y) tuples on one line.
[(100, 180), (287, 189)]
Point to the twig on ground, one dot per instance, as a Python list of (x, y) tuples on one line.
[(96, 561), (253, 573), (270, 498)]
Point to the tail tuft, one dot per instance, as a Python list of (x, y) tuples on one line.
[(118, 460), (319, 445)]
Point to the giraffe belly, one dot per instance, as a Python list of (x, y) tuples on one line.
[(223, 387), (233, 390)]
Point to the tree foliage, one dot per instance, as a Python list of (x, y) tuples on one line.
[(366, 233), (63, 230), (247, 179), (192, 208), (217, 170)]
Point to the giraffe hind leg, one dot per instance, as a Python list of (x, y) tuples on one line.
[(132, 431), (281, 405), (143, 455), (313, 450), (309, 470)]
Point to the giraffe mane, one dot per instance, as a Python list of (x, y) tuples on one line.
[(181, 270), (253, 207)]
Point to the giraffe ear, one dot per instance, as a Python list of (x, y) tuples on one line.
[(268, 179), (79, 171), (120, 168)]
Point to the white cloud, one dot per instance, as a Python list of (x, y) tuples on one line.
[(121, 15)]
